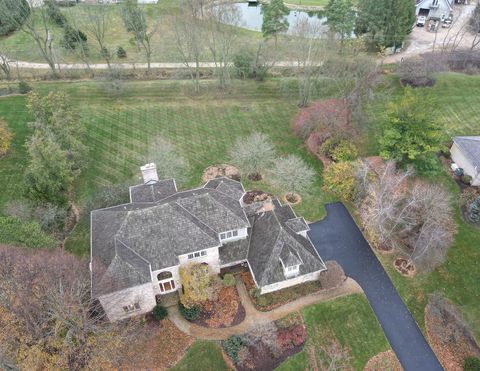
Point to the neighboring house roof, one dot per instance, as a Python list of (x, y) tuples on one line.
[(155, 233), (271, 238), (470, 147)]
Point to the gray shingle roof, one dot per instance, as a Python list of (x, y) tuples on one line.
[(470, 147), (289, 256), (227, 186), (233, 251), (127, 238), (270, 238), (297, 225), (153, 192)]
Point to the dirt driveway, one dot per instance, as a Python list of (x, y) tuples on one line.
[(421, 41)]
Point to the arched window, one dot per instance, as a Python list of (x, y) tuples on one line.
[(164, 275)]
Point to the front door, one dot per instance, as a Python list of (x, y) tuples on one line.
[(167, 286)]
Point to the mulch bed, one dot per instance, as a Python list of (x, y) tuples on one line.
[(448, 335), (262, 360), (220, 170), (383, 361), (292, 199), (227, 311), (464, 212), (256, 195), (273, 300), (402, 266)]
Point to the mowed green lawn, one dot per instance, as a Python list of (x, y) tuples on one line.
[(121, 130), (202, 356), (351, 322)]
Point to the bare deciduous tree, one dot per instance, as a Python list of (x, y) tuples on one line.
[(222, 36), (170, 164), (189, 38), (309, 51), (36, 26), (98, 24), (264, 335), (292, 175), (253, 154), (334, 357), (5, 63)]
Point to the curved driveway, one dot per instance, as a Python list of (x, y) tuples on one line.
[(337, 237)]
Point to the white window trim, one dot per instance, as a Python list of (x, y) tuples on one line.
[(229, 235), (197, 255), (130, 308)]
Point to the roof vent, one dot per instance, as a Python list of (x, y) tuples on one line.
[(149, 173)]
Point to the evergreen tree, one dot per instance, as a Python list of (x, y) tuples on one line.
[(14, 13), (386, 22), (274, 19), (340, 17)]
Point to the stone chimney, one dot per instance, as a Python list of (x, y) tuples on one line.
[(149, 173)]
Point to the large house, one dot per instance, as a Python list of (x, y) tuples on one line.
[(465, 154), (440, 9), (137, 248)]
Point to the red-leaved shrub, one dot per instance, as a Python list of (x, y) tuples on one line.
[(327, 116), (291, 337)]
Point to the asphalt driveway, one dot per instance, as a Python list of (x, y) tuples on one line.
[(337, 237)]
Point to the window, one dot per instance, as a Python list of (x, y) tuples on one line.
[(197, 254), (164, 275), (228, 235), (235, 233), (131, 307), (222, 236)]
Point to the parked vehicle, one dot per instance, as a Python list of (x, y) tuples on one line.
[(421, 21)]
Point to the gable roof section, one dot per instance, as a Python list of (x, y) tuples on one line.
[(271, 238), (470, 147), (153, 192), (227, 186), (297, 225)]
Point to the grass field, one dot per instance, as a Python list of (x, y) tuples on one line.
[(307, 2), (120, 130), (159, 16), (349, 320), (202, 356)]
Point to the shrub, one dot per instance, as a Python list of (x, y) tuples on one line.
[(15, 232), (466, 179), (6, 138), (333, 277), (340, 178), (266, 335), (344, 151), (232, 345), (474, 211), (228, 280), (159, 312), (471, 364), (329, 145), (24, 88), (121, 53), (329, 116), (50, 217), (19, 10), (255, 292), (199, 285), (190, 313), (243, 354), (242, 63), (292, 337)]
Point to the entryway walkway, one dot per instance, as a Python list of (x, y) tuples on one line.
[(254, 317), (337, 237)]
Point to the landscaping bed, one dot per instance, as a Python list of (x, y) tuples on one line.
[(448, 334), (226, 311), (267, 345), (278, 298), (384, 361), (256, 196)]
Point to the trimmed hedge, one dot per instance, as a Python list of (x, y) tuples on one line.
[(159, 312), (15, 232)]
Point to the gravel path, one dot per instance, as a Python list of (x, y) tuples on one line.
[(253, 317)]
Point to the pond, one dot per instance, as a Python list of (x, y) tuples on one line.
[(252, 18)]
